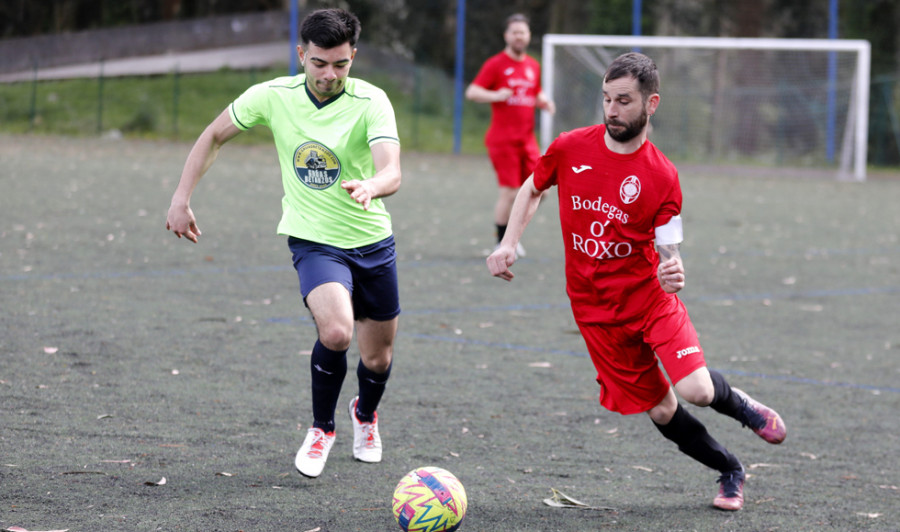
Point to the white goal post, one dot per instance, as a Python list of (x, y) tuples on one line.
[(743, 101)]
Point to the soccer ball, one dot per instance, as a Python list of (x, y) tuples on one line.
[(429, 499)]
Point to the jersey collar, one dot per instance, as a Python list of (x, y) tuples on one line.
[(316, 102)]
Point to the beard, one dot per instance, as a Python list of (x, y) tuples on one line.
[(632, 129)]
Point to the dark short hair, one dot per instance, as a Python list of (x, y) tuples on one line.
[(328, 28), (638, 66), (515, 17)]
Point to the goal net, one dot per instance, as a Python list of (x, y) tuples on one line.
[(761, 103)]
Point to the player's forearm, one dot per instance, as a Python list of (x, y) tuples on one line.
[(528, 199), (202, 156), (545, 103), (668, 251), (387, 178), (386, 181), (479, 94), (200, 159)]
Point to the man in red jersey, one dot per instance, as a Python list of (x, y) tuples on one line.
[(511, 82), (618, 195)]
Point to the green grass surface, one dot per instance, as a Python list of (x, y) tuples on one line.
[(178, 107), (128, 356)]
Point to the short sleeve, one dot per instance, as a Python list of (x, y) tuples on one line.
[(670, 206), (487, 75), (381, 124), (251, 108), (545, 170)]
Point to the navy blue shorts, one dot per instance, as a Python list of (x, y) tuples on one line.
[(369, 273)]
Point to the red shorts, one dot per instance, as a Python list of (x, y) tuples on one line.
[(514, 161), (627, 356)]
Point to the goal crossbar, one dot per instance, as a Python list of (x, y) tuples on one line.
[(859, 115)]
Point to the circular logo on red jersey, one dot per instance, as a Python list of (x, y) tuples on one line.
[(630, 189)]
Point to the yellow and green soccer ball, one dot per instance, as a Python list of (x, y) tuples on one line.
[(429, 499)]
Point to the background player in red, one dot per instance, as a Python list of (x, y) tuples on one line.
[(511, 82), (618, 194)]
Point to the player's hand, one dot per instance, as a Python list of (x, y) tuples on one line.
[(500, 260), (671, 275), (503, 94), (360, 191), (181, 221)]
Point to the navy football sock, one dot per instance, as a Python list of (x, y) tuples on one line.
[(501, 230), (328, 371), (693, 440), (371, 388)]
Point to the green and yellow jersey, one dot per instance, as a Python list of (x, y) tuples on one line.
[(319, 145)]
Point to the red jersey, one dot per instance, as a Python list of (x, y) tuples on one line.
[(512, 120), (609, 206)]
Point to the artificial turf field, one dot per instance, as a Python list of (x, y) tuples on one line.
[(128, 356)]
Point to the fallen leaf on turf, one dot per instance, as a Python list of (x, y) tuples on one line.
[(561, 500), (539, 365), (104, 416), (224, 474), (317, 529), (161, 482), (755, 466), (51, 350), (886, 487), (869, 515), (642, 468), (811, 456)]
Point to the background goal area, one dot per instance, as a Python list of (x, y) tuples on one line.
[(757, 103)]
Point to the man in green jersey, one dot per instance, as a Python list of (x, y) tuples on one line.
[(339, 154)]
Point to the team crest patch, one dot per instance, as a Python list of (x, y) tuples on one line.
[(630, 189), (317, 167)]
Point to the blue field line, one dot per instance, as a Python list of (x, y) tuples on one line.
[(804, 380), (407, 264), (134, 274), (809, 294), (583, 354), (498, 345), (504, 308)]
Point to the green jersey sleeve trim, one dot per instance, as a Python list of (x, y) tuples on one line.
[(235, 120)]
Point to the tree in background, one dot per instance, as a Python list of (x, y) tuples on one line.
[(425, 30)]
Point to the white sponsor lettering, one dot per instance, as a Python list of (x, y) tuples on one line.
[(317, 177), (601, 249), (598, 205), (688, 351)]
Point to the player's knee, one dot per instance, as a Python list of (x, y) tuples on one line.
[(336, 336), (698, 395), (379, 364)]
